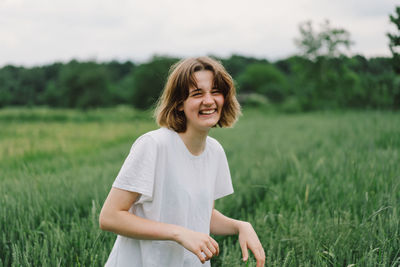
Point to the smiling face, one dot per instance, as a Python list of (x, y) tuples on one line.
[(204, 104)]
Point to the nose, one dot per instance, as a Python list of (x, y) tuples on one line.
[(208, 99)]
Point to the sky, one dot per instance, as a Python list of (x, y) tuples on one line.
[(41, 32)]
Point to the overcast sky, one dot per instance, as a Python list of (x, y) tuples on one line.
[(36, 32)]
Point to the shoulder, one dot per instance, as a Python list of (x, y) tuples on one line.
[(159, 137), (214, 145), (152, 142)]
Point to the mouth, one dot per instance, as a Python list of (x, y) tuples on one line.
[(207, 111)]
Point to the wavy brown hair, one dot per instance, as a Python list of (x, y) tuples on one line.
[(176, 91)]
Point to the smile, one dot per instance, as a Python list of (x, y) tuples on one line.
[(207, 112)]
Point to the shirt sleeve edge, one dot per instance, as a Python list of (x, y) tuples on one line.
[(133, 189), (221, 195)]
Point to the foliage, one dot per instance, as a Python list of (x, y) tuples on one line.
[(327, 79), (121, 83), (236, 64), (82, 85), (330, 84), (117, 71), (394, 39), (8, 85), (322, 83), (263, 79), (149, 79), (394, 46), (378, 83), (327, 42), (20, 86), (253, 100)]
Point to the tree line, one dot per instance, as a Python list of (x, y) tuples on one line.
[(293, 84), (321, 76)]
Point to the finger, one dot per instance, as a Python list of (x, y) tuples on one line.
[(256, 252), (207, 252), (245, 253), (260, 257), (215, 244), (260, 262), (201, 257), (211, 247), (262, 253)]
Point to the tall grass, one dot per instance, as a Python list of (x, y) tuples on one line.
[(321, 189)]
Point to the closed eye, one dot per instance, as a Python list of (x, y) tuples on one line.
[(216, 91), (196, 92)]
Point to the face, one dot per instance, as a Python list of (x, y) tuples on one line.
[(204, 104)]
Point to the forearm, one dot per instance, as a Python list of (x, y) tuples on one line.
[(116, 218), (131, 225), (222, 225), (128, 224)]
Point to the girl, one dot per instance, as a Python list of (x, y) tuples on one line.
[(161, 204)]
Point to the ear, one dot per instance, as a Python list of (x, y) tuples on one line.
[(180, 107)]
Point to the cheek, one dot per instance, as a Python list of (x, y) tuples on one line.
[(195, 103), (220, 101), (190, 107)]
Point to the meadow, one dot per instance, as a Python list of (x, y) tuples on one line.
[(321, 188)]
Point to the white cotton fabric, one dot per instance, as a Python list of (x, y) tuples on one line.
[(176, 187)]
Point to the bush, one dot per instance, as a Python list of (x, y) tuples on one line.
[(291, 105), (253, 100), (264, 79)]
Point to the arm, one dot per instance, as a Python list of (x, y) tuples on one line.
[(222, 225), (115, 217)]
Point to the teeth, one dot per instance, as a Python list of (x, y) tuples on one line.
[(207, 111)]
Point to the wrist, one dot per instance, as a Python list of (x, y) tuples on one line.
[(176, 233), (241, 225)]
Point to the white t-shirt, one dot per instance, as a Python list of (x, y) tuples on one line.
[(176, 187)]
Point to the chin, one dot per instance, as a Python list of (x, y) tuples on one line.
[(210, 125)]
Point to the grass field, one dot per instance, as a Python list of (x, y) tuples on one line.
[(321, 189)]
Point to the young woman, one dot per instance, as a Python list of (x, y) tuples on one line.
[(161, 204)]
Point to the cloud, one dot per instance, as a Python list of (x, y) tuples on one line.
[(41, 31)]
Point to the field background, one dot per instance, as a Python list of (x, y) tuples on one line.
[(321, 188)]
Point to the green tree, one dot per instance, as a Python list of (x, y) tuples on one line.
[(121, 82), (394, 38), (236, 64), (327, 41), (264, 79), (21, 86), (8, 84), (149, 79), (394, 46), (324, 80), (118, 71), (81, 85)]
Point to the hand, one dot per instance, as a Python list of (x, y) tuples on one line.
[(248, 240), (198, 243)]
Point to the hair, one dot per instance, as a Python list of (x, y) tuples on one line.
[(176, 91)]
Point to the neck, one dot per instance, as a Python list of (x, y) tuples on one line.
[(195, 141)]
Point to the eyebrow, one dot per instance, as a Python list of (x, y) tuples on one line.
[(195, 90), (200, 89)]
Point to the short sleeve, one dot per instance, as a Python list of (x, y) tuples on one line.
[(138, 171), (223, 182)]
